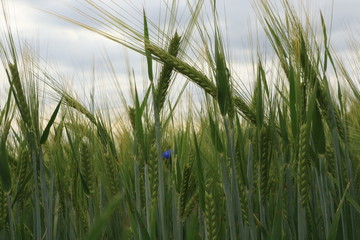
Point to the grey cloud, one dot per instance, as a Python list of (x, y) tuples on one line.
[(76, 48)]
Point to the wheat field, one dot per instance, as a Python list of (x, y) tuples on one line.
[(281, 162)]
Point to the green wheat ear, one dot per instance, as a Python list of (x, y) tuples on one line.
[(185, 188), (166, 72), (23, 171), (304, 165), (264, 163), (193, 74), (153, 170), (20, 96), (222, 77), (86, 169), (111, 172), (210, 210)]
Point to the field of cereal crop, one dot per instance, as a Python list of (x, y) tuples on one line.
[(281, 162)]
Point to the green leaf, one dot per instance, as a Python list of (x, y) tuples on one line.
[(4, 113), (4, 165), (101, 222), (335, 223), (276, 230), (46, 132), (353, 202)]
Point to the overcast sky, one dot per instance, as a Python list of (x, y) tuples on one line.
[(74, 50)]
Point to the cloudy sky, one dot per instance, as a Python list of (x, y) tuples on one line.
[(75, 52)]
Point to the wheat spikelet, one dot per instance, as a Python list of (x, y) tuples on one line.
[(242, 186), (284, 210), (244, 202), (189, 207), (13, 164), (308, 219), (20, 96), (86, 169), (304, 165), (323, 102), (264, 163), (184, 187), (74, 189), (357, 178), (142, 183), (166, 71), (339, 124), (111, 172), (256, 165), (329, 155), (210, 211), (62, 196), (84, 220), (303, 103), (70, 101), (194, 75), (153, 171), (331, 163), (23, 170), (245, 109)]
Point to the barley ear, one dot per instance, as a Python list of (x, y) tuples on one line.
[(193, 74), (244, 109), (111, 172), (20, 96), (304, 165), (153, 171), (70, 101), (191, 204), (86, 169), (264, 163), (166, 72), (185, 188), (210, 211)]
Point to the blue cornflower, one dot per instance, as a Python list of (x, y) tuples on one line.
[(167, 154)]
